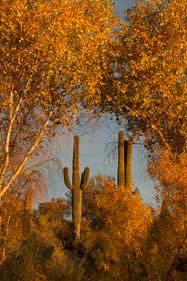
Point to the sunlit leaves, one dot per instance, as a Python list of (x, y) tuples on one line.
[(119, 222), (52, 62), (151, 89), (47, 45)]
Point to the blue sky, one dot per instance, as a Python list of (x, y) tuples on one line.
[(93, 155), (121, 5)]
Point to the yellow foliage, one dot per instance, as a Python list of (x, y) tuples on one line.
[(151, 91), (124, 214), (48, 46), (52, 63), (120, 223), (173, 184)]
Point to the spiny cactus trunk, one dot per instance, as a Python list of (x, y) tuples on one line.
[(77, 192), (77, 186), (124, 162), (27, 218), (121, 157), (128, 163)]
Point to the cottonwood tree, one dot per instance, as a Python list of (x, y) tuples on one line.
[(117, 225), (165, 254), (52, 61), (149, 87), (12, 210)]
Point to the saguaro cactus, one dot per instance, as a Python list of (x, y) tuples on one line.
[(128, 163), (27, 217), (124, 161), (121, 162), (77, 186)]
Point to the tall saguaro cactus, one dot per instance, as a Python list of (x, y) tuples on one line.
[(77, 186), (121, 162), (128, 163), (124, 161), (27, 219)]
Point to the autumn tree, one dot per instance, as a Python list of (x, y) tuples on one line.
[(116, 224), (149, 90), (149, 85), (51, 215), (11, 225), (13, 212), (52, 62), (165, 249)]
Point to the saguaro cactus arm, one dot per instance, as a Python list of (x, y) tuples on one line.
[(85, 178), (66, 178)]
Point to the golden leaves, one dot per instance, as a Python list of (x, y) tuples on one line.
[(152, 68), (66, 45), (53, 57), (126, 218), (173, 185)]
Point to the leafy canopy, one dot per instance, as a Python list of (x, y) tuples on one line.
[(52, 62), (149, 88)]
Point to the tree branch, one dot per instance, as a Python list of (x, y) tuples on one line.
[(12, 117), (26, 157), (153, 126)]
